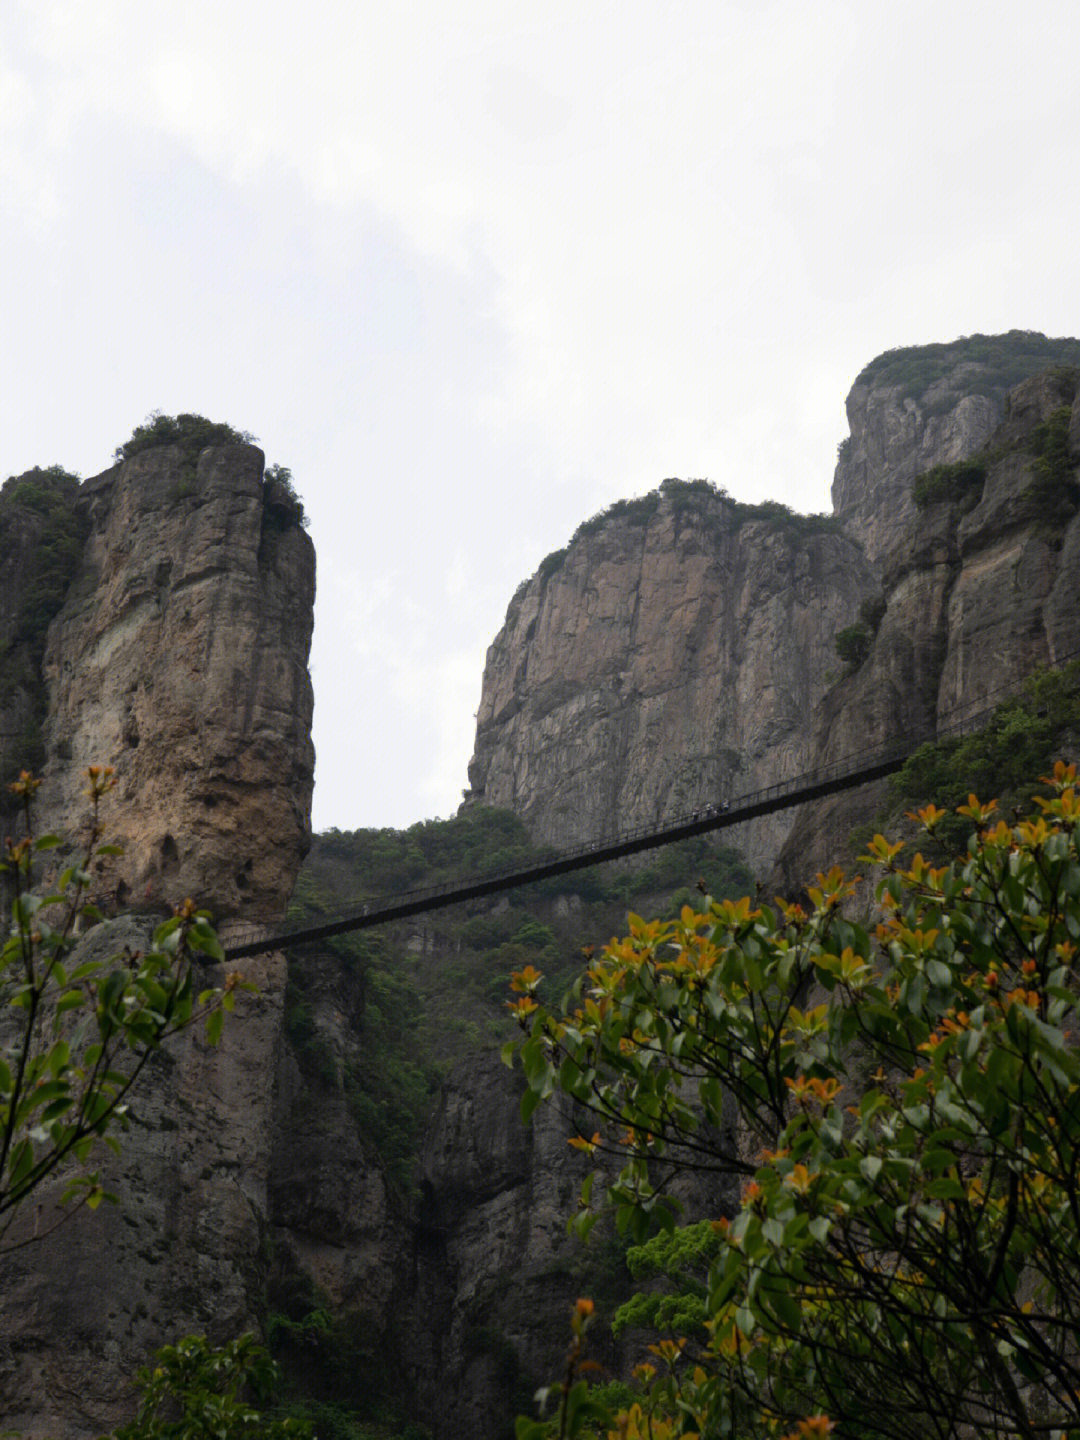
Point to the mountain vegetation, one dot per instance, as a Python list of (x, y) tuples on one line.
[(192, 434), (1002, 361), (904, 1256), (417, 1015)]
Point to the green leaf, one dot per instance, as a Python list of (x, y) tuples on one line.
[(201, 937), (529, 1101), (870, 1167), (939, 974)]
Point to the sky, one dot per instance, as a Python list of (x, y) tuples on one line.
[(475, 271)]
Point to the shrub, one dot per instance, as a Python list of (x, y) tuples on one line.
[(1005, 360), (959, 484), (853, 645), (192, 432), (904, 1257)]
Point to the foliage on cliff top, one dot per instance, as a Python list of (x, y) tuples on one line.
[(193, 434), (905, 1258), (685, 497), (1006, 360)]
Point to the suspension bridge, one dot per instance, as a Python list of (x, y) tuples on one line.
[(844, 774)]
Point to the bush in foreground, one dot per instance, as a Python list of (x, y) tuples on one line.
[(905, 1259)]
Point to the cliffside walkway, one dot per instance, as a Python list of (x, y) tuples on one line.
[(844, 774)]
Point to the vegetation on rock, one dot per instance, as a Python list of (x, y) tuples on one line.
[(1055, 483), (959, 484), (905, 1257), (77, 1034), (1020, 739), (414, 1017), (854, 641), (198, 1391), (1004, 361), (193, 434), (685, 497)]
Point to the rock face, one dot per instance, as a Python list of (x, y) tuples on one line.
[(981, 588), (671, 658), (158, 618), (81, 1311), (910, 410), (683, 647), (679, 651), (42, 529), (180, 657)]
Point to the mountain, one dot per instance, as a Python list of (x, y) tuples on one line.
[(683, 648), (158, 618), (348, 1173)]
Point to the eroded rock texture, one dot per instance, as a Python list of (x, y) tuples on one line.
[(680, 650), (81, 1310), (912, 409), (172, 643), (981, 588), (683, 647), (671, 660), (180, 657)]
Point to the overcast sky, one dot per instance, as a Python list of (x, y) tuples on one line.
[(475, 271)]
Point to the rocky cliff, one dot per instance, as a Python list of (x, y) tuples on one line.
[(348, 1172), (169, 638), (683, 647), (981, 586), (158, 618), (669, 658), (911, 410)]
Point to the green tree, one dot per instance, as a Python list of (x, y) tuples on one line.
[(77, 1032), (197, 1391), (853, 645), (905, 1256)]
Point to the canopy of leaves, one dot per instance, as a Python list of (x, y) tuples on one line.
[(198, 1391), (905, 1258), (283, 507)]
